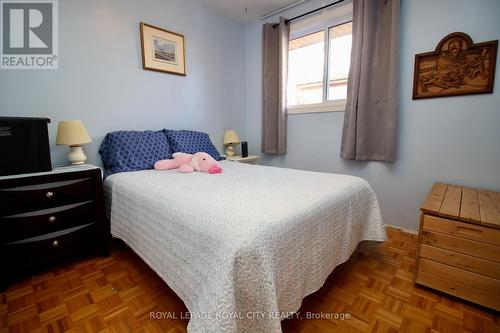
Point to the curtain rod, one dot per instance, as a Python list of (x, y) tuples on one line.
[(263, 17), (310, 12)]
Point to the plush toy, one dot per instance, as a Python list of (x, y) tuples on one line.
[(189, 163)]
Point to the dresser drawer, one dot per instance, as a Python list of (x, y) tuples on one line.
[(462, 261), (461, 245), (47, 249), (461, 229), (460, 276), (32, 197), (26, 225)]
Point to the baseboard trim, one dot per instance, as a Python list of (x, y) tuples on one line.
[(414, 232)]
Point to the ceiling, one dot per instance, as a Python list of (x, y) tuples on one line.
[(235, 9)]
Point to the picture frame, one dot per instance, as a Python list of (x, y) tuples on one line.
[(456, 67), (162, 50)]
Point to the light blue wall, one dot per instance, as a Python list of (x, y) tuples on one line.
[(100, 79), (455, 139)]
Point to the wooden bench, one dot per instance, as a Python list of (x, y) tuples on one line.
[(459, 243)]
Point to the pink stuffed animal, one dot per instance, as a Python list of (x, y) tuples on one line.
[(189, 163)]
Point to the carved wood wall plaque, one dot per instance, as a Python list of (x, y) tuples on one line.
[(456, 67)]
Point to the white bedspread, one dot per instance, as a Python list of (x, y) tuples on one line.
[(251, 240)]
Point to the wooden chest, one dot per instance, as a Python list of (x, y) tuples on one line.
[(459, 250)]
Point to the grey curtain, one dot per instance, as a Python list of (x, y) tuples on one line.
[(274, 81), (370, 119)]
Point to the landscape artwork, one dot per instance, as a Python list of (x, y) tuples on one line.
[(456, 67), (165, 50), (162, 50)]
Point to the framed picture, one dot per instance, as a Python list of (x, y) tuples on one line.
[(162, 50), (456, 67)]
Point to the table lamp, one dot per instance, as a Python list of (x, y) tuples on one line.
[(231, 139), (72, 133)]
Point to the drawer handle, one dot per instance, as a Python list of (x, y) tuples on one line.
[(49, 194), (55, 243), (470, 231), (52, 219)]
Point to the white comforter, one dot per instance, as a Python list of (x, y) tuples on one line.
[(243, 247)]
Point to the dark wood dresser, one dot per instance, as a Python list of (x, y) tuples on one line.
[(50, 217)]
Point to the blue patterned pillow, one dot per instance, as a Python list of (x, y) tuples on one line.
[(123, 151), (191, 142)]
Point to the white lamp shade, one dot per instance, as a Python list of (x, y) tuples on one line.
[(72, 133), (231, 138)]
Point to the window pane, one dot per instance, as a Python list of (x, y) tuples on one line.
[(305, 69), (339, 60)]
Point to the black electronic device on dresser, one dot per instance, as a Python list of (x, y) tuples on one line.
[(24, 145), (50, 217)]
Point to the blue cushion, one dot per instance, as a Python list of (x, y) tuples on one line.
[(123, 151), (191, 142)]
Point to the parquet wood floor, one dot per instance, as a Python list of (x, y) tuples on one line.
[(116, 294)]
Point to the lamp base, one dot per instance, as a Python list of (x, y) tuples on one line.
[(230, 151), (76, 155)]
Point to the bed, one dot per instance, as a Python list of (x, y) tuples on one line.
[(242, 248)]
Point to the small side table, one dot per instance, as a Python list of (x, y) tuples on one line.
[(250, 159)]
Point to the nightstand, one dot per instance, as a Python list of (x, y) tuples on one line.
[(50, 217), (250, 159)]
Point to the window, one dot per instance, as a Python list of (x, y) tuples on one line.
[(306, 64), (318, 67), (339, 60)]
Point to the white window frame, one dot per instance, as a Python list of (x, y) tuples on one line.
[(327, 105)]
